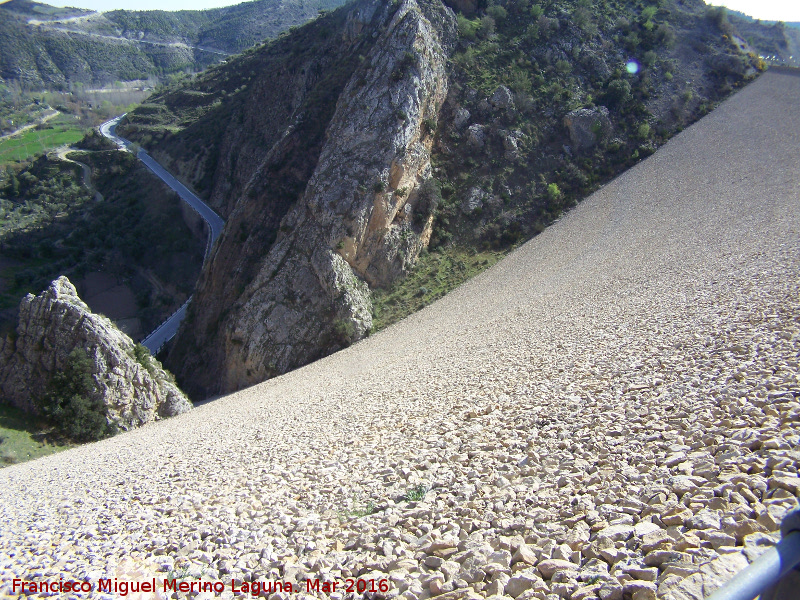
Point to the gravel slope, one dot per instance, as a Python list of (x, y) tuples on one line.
[(611, 411)]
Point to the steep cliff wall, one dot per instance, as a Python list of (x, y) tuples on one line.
[(318, 148), (51, 326), (353, 225)]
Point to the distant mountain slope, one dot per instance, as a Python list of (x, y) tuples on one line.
[(47, 47), (229, 29), (36, 10), (778, 40)]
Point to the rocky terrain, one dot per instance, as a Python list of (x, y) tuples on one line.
[(610, 412), (133, 390), (346, 148)]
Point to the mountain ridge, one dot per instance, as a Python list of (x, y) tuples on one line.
[(100, 48)]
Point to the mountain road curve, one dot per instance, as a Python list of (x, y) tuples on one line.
[(167, 330), (618, 396)]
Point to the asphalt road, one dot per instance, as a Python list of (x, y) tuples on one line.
[(167, 330)]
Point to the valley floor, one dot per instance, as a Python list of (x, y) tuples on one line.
[(611, 409)]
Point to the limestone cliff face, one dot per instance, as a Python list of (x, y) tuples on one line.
[(359, 223), (56, 322)]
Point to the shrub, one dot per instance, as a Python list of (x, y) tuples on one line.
[(665, 35), (344, 332), (467, 28), (497, 12), (488, 27), (532, 33), (428, 199), (416, 493), (553, 192), (718, 15), (618, 92), (144, 358), (68, 401)]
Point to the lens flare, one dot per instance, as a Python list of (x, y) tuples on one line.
[(632, 67)]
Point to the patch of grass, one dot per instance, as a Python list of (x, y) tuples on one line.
[(435, 274), (24, 436), (358, 511), (416, 493), (36, 141)]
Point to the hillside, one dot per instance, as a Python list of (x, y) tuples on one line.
[(134, 253), (779, 41), (44, 47), (342, 151), (610, 411)]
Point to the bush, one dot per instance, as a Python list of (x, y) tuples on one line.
[(144, 358), (553, 192), (428, 199), (344, 332), (467, 28), (497, 12), (68, 401), (618, 93)]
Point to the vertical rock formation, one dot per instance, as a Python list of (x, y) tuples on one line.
[(353, 227), (53, 324)]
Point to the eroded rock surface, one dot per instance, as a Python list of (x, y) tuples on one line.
[(355, 225), (587, 126), (53, 324)]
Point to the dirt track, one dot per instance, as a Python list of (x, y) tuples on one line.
[(620, 395)]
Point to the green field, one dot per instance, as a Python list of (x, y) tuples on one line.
[(23, 437), (58, 132)]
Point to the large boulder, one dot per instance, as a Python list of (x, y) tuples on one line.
[(56, 322), (587, 126)]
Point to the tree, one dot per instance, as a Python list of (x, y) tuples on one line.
[(68, 401)]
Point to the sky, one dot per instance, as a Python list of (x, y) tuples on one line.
[(769, 10)]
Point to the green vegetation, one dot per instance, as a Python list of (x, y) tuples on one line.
[(68, 402), (57, 132), (416, 493), (435, 274), (51, 225), (553, 65), (45, 58), (144, 358), (25, 437)]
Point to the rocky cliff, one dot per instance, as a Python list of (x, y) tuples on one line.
[(351, 228), (51, 326), (342, 150)]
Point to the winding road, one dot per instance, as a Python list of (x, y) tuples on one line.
[(167, 330)]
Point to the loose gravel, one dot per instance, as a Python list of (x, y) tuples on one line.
[(610, 412)]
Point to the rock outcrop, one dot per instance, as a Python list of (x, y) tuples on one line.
[(587, 126), (53, 324), (360, 223)]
